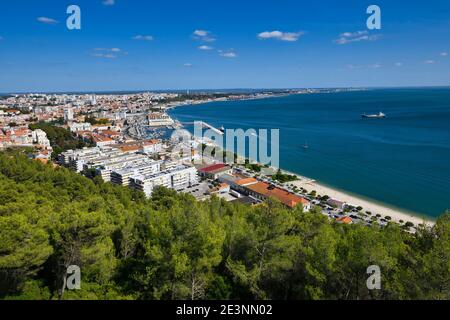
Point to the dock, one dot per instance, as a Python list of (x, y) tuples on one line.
[(207, 125)]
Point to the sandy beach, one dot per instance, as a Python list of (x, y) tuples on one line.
[(367, 205)]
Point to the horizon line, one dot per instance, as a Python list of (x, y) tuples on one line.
[(217, 89)]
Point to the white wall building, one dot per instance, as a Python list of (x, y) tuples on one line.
[(68, 114), (122, 177), (40, 137), (177, 178)]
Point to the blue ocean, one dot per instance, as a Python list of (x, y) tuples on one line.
[(402, 161)]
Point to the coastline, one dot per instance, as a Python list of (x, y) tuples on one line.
[(371, 205)]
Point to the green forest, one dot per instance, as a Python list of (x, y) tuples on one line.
[(175, 247)]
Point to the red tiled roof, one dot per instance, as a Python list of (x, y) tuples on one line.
[(246, 181), (345, 220), (151, 142), (129, 148), (109, 132), (100, 138), (287, 198), (212, 168), (223, 186)]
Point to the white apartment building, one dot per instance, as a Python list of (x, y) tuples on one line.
[(150, 147), (105, 166), (40, 137), (157, 119), (76, 159), (176, 178), (122, 177), (76, 127), (68, 114)]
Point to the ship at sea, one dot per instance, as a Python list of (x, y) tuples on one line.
[(374, 116)]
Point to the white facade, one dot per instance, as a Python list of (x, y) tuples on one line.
[(123, 176), (68, 114), (160, 120), (75, 127), (176, 178), (152, 147), (40, 137)]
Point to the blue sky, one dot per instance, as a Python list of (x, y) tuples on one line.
[(143, 45)]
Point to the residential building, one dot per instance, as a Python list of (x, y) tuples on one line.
[(215, 171), (263, 191), (83, 126), (336, 204), (68, 114), (176, 178), (123, 176)]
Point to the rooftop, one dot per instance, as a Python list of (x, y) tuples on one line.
[(246, 181), (289, 199), (214, 167)]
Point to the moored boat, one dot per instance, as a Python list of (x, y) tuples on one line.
[(374, 116)]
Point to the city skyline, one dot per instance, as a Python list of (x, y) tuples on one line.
[(133, 46)]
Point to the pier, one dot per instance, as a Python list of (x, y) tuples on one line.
[(207, 125)]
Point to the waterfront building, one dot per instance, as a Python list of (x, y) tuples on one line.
[(263, 191), (344, 220), (336, 203), (215, 171), (157, 119), (237, 183)]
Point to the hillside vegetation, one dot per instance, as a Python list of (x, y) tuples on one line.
[(174, 247)]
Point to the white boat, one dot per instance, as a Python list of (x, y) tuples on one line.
[(374, 116)]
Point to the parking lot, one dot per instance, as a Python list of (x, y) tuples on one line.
[(198, 190)]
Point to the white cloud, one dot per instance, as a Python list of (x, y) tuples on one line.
[(228, 53), (47, 20), (203, 35), (205, 48), (430, 61), (109, 53), (398, 64), (143, 38), (444, 54), (108, 49), (283, 36), (105, 55), (188, 65), (109, 2), (362, 66), (349, 37)]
